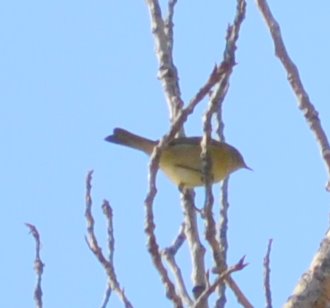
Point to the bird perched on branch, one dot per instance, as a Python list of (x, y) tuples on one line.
[(181, 158)]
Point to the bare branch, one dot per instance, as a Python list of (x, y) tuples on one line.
[(106, 297), (107, 211), (305, 105), (196, 248), (219, 247), (179, 240), (169, 77), (93, 245), (240, 296), (210, 225), (38, 266), (169, 25), (237, 267), (219, 73), (164, 44), (169, 254), (153, 249), (150, 226), (267, 276)]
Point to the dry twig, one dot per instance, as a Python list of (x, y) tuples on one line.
[(169, 254), (167, 73), (219, 247), (169, 25), (206, 293), (196, 248), (313, 288), (150, 226), (38, 266), (107, 264), (305, 105), (267, 287)]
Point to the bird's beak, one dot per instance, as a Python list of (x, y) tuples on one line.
[(247, 167)]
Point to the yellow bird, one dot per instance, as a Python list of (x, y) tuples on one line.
[(181, 158)]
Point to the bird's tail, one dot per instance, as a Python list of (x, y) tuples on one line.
[(124, 137)]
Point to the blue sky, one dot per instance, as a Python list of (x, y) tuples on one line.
[(71, 71)]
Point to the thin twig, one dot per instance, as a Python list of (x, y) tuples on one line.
[(305, 105), (152, 244), (169, 254), (210, 225), (196, 248), (169, 24), (177, 243), (223, 241), (237, 267), (93, 245), (38, 266), (223, 223), (107, 295), (107, 211), (216, 100), (240, 296), (167, 71), (268, 292), (220, 246)]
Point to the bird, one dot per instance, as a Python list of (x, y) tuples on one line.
[(181, 158)]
